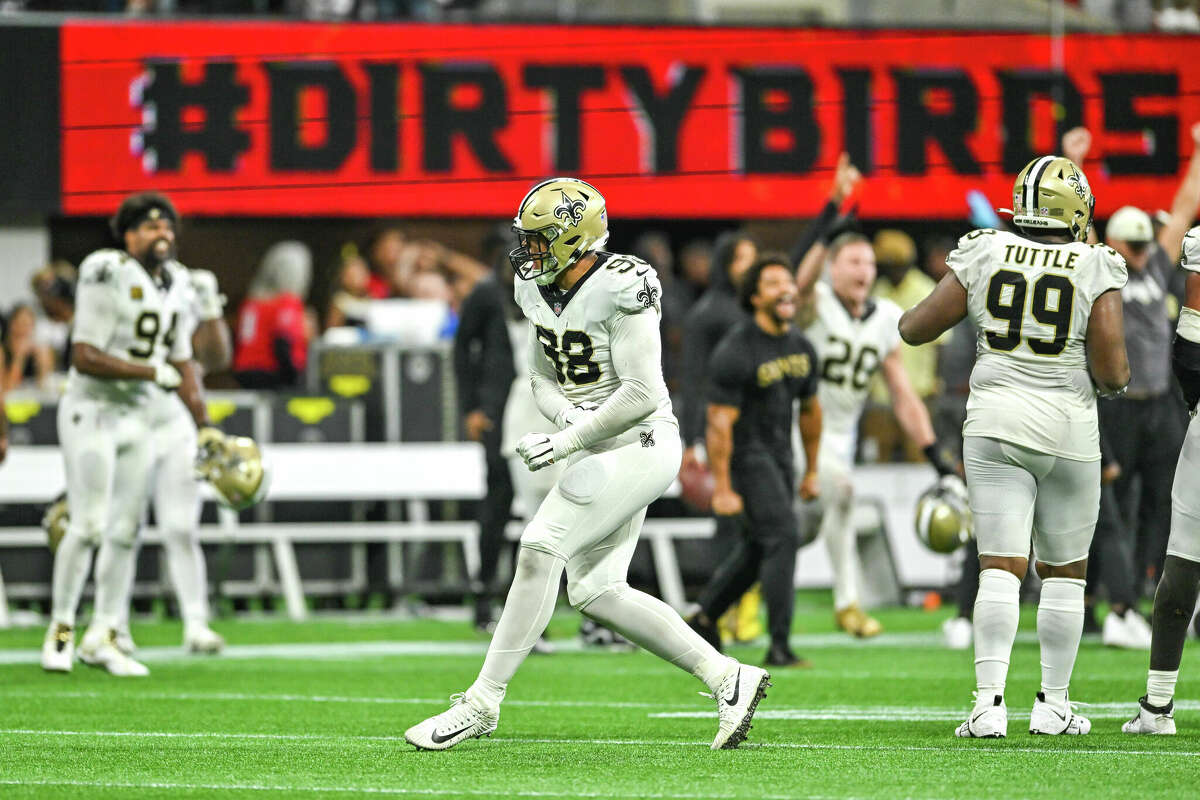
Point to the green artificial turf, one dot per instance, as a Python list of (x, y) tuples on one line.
[(326, 717)]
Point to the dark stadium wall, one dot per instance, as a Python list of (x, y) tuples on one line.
[(29, 166)]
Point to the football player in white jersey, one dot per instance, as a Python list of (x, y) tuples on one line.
[(127, 338), (855, 335), (1048, 309), (594, 334), (176, 490), (1179, 587)]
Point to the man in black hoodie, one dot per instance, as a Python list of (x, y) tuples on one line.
[(483, 366), (714, 314)]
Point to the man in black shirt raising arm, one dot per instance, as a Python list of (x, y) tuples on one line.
[(758, 370)]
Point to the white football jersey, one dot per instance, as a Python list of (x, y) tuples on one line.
[(122, 310), (573, 328), (850, 351), (1031, 303), (1191, 250)]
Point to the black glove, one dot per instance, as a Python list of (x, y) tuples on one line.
[(1186, 362), (939, 461)]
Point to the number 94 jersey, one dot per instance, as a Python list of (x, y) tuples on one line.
[(122, 310), (851, 350), (1031, 303), (572, 327)]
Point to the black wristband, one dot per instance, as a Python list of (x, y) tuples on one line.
[(938, 460)]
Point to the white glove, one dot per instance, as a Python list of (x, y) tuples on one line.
[(210, 303), (167, 376), (954, 484), (573, 414), (536, 451)]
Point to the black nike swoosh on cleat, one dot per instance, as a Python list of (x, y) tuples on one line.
[(737, 689), (439, 739)]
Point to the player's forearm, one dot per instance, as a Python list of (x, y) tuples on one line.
[(548, 397), (631, 403), (93, 361), (718, 444), (1183, 208), (810, 432), (914, 418), (191, 391), (212, 345)]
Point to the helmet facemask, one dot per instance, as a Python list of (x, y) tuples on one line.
[(533, 259)]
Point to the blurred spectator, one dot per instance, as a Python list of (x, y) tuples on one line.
[(707, 322), (1150, 412), (54, 287), (903, 284), (23, 356), (695, 265), (273, 327), (484, 369), (351, 291), (654, 248), (383, 259)]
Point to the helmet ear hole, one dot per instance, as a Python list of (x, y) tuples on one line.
[(571, 241)]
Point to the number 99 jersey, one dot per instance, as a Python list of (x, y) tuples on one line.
[(121, 310), (572, 328), (850, 350), (1031, 303)]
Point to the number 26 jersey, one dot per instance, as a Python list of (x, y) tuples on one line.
[(121, 310), (572, 328), (1031, 303)]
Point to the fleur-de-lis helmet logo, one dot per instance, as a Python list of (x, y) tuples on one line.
[(569, 211)]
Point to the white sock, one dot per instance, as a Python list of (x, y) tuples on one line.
[(185, 562), (1160, 686), (525, 616), (114, 574), (72, 563), (1059, 626), (842, 545), (997, 612), (653, 625)]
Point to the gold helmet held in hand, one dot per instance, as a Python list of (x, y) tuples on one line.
[(234, 466), (944, 521), (1053, 194), (55, 521), (559, 222)]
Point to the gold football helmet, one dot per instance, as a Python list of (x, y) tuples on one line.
[(55, 521), (234, 466), (559, 221), (1052, 193), (944, 521)]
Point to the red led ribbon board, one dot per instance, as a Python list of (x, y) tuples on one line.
[(458, 121)]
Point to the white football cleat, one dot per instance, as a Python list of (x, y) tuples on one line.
[(463, 720), (58, 648), (737, 697), (99, 649), (125, 641), (957, 633), (1049, 719), (988, 720), (1129, 632), (1152, 719), (202, 639)]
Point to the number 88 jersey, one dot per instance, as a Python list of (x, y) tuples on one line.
[(1031, 303), (571, 328), (122, 310)]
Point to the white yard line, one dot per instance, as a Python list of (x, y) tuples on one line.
[(387, 790), (972, 748), (1117, 710), (353, 650)]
